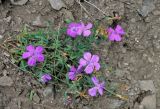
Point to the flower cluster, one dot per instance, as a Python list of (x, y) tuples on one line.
[(115, 34), (78, 29), (88, 64)]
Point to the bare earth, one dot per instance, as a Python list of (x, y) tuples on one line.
[(135, 59)]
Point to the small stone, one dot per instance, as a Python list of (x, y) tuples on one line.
[(148, 19), (156, 12), (36, 98), (85, 107), (80, 106), (133, 20), (6, 54), (149, 102), (147, 85), (8, 19), (141, 107), (6, 81), (32, 0), (48, 91), (147, 7), (138, 106), (2, 66), (19, 2), (38, 22), (115, 104), (5, 73), (57, 4), (1, 37), (69, 2), (119, 73), (150, 60)]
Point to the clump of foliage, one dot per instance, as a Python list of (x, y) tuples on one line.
[(65, 56)]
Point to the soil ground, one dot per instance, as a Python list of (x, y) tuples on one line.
[(136, 58)]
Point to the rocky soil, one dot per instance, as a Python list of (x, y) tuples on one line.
[(136, 59)]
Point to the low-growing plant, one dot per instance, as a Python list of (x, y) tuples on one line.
[(66, 56)]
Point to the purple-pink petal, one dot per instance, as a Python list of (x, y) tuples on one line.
[(102, 85), (100, 90), (92, 91), (95, 80), (86, 33), (80, 68), (79, 29), (46, 77), (82, 62), (87, 56), (74, 29), (89, 26), (111, 36), (110, 30), (72, 75), (73, 69), (30, 48), (31, 61), (26, 55), (72, 25), (89, 68), (119, 30), (71, 33), (95, 58), (117, 37), (39, 49), (40, 57), (97, 66)]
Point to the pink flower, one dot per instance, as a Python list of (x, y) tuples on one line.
[(90, 62), (74, 29), (99, 87), (115, 34), (33, 54), (45, 78), (77, 29), (74, 71), (86, 29)]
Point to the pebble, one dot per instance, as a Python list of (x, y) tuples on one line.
[(133, 20), (8, 19), (2, 66), (38, 22), (147, 7), (1, 37), (69, 2), (5, 73), (57, 4), (48, 91), (6, 81), (115, 104), (149, 102), (19, 2), (36, 98), (156, 12)]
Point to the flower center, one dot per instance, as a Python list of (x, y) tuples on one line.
[(74, 29)]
